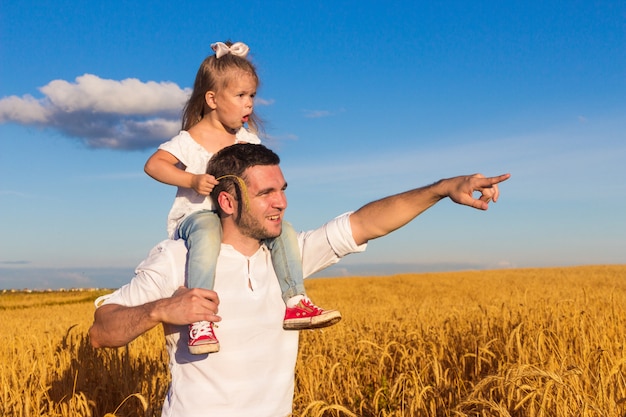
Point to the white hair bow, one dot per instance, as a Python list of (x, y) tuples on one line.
[(237, 49)]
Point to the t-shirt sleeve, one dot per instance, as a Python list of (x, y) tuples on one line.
[(176, 146), (325, 246), (156, 277)]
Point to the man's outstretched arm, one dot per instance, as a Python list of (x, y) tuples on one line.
[(383, 216)]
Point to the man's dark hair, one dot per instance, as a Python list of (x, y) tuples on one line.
[(231, 162)]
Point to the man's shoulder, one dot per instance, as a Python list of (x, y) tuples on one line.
[(167, 250), (170, 245), (157, 276)]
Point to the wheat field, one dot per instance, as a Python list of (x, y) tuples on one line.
[(522, 342)]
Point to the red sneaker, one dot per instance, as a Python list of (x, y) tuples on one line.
[(202, 339), (306, 315)]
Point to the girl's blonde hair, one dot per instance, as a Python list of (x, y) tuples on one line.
[(213, 75)]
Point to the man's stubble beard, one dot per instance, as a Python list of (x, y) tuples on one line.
[(250, 227)]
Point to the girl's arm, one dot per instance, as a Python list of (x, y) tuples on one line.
[(163, 167)]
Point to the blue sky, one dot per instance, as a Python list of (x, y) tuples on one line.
[(360, 99)]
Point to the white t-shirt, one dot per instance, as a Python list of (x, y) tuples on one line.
[(253, 373), (193, 158)]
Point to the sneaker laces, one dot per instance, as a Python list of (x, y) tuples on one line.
[(201, 328), (308, 303)]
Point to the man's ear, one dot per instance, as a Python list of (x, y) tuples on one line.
[(209, 98), (227, 203)]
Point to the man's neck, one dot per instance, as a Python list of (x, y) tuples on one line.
[(245, 245)]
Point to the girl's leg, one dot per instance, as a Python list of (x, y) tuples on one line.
[(300, 313), (202, 233), (287, 262)]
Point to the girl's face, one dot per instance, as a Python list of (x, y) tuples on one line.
[(234, 103)]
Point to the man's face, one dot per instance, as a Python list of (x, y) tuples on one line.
[(267, 202)]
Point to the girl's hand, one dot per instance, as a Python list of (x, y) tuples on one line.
[(203, 184)]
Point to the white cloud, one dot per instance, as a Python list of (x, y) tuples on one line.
[(13, 193), (258, 101), (102, 113), (316, 114), (25, 110), (129, 96)]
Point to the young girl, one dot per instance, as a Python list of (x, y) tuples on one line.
[(220, 104)]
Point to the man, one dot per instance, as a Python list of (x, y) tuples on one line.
[(253, 373)]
